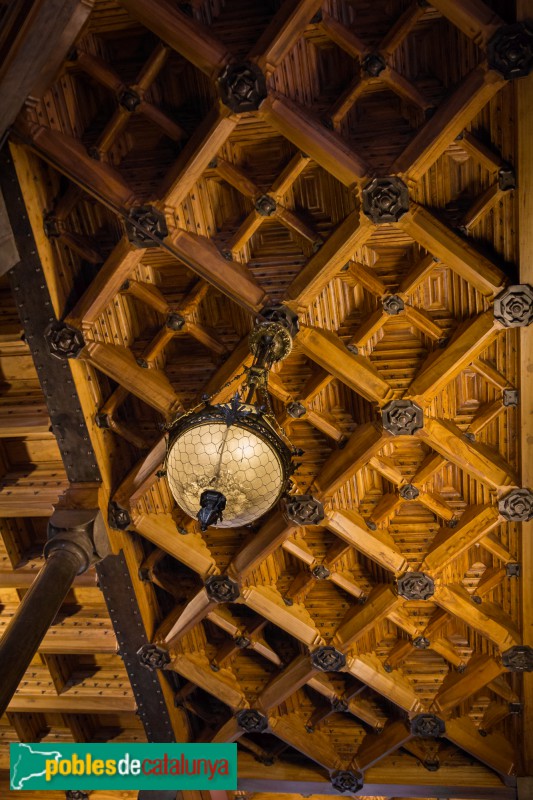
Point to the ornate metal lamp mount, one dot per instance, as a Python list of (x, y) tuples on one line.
[(228, 464)]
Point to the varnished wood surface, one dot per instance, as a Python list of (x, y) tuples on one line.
[(444, 122)]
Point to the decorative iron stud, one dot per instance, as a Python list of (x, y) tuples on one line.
[(416, 586), (153, 657), (251, 720), (510, 51), (385, 199), (63, 340), (303, 509), (328, 659), (347, 782), (402, 417), (392, 305), (518, 658), (118, 518), (146, 227), (514, 307), (221, 589), (517, 506), (242, 87), (427, 725)]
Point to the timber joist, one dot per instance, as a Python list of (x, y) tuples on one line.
[(223, 173)]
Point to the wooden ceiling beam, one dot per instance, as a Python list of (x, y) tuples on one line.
[(223, 685), (344, 37), (234, 280), (315, 745), (377, 545), (364, 276), (197, 154), (287, 682), (117, 268), (280, 36), (491, 543), (33, 494), (183, 619), (453, 114), (397, 776), (405, 89), (493, 750), (386, 507), (325, 147), (295, 620), (142, 476), (476, 149), (487, 619), (458, 688), (188, 548), (358, 373), (363, 444), (184, 34), (152, 386), (69, 156), (398, 653), (394, 686), (336, 251), (484, 463), (456, 253), (23, 419), (358, 621), (237, 178), (401, 28), (450, 543), (473, 17), (376, 746), (486, 414), (494, 714), (289, 175), (272, 533), (417, 274), (435, 503)]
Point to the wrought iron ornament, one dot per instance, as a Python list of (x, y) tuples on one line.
[(153, 657), (416, 586), (296, 410), (510, 51), (517, 506), (421, 643), (321, 572), (63, 340), (118, 517), (328, 659), (265, 205), (129, 99), (347, 782), (242, 87), (409, 492), (514, 307), (374, 64), (303, 509), (385, 199), (392, 305), (147, 226), (427, 726), (251, 720), (402, 417), (221, 589), (518, 658)]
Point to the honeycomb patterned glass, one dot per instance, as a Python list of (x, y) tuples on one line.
[(231, 460)]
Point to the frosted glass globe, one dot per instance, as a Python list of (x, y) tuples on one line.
[(246, 468)]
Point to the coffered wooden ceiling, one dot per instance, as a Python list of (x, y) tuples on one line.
[(355, 161)]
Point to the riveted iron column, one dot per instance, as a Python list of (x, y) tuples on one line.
[(69, 552)]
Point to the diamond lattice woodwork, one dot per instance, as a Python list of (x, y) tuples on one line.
[(356, 162)]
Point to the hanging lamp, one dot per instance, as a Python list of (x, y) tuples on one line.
[(228, 464)]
